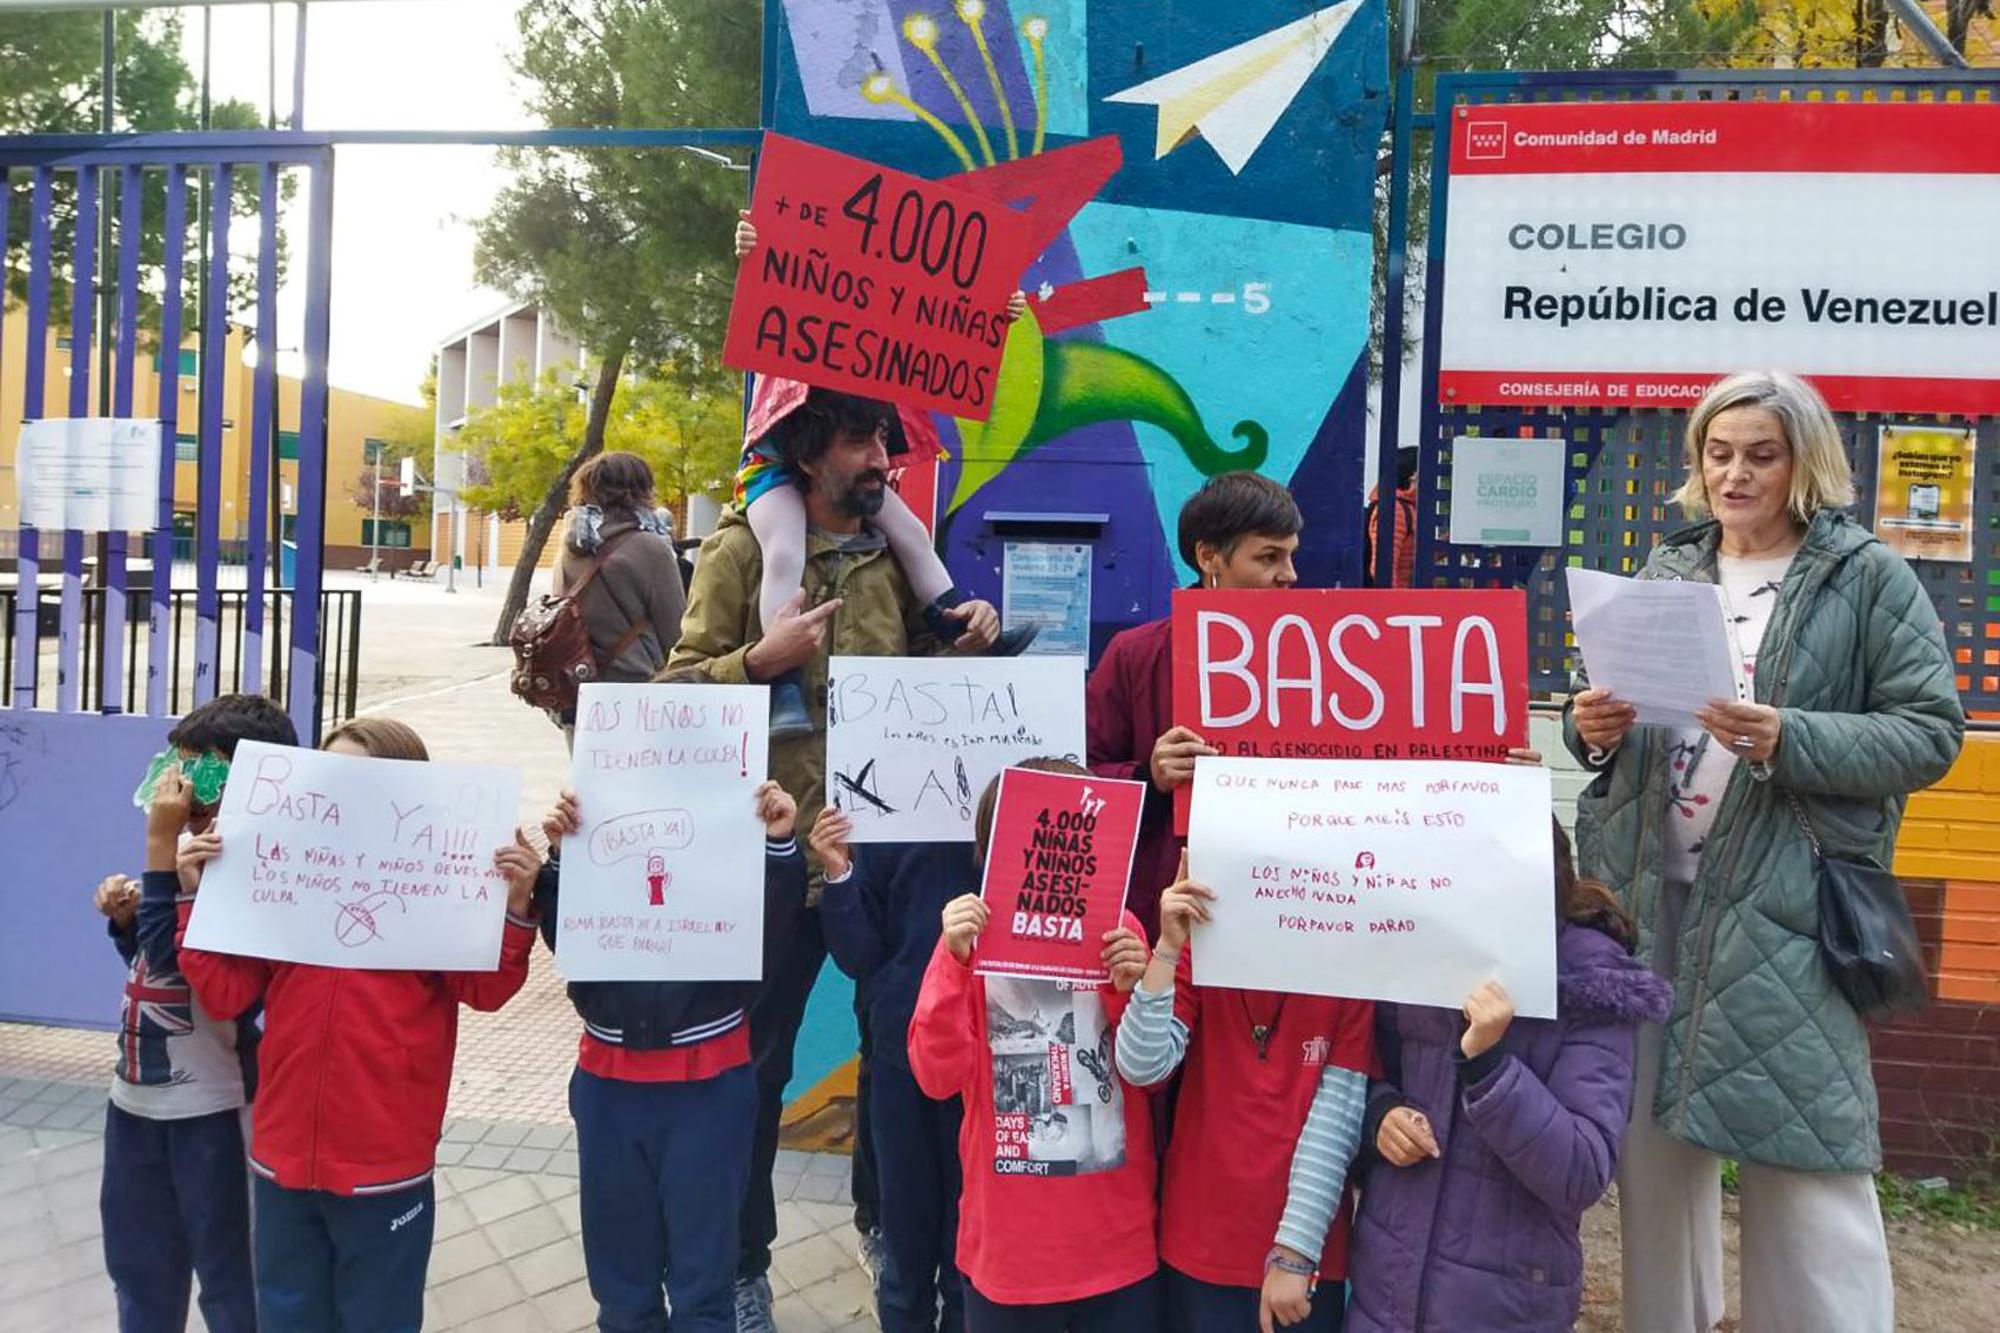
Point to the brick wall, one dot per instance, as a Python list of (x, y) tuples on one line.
[(1939, 1072)]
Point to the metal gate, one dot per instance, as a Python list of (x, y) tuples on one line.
[(131, 243), (1623, 465)]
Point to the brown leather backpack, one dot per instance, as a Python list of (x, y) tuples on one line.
[(551, 643)]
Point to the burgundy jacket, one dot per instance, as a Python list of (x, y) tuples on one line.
[(1128, 705)]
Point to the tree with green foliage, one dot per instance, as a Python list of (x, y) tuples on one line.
[(629, 250), (687, 429), (52, 82)]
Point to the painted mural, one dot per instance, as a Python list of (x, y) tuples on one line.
[(1203, 176)]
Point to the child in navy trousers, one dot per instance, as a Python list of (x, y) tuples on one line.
[(176, 1194), (665, 1101), (355, 1068), (881, 913)]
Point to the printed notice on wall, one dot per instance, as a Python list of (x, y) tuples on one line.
[(1507, 492), (1048, 585), (1924, 492), (1057, 869), (875, 281), (911, 742), (665, 882), (89, 474), (1409, 882), (342, 861)]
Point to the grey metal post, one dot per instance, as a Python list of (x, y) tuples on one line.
[(375, 533), (1918, 24)]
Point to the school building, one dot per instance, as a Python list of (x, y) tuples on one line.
[(354, 422), (515, 345)]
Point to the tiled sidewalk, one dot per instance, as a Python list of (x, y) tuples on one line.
[(508, 1253)]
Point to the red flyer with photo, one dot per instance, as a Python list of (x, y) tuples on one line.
[(1402, 673), (875, 281), (1056, 873)]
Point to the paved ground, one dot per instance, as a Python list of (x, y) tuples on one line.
[(508, 1253)]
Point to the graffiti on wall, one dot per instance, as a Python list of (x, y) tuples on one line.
[(1202, 178)]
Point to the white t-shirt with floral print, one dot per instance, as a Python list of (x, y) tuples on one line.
[(1701, 764)]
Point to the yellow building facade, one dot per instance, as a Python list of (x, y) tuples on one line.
[(353, 421)]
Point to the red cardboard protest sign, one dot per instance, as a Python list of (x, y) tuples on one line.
[(1339, 674), (1057, 869), (875, 281)]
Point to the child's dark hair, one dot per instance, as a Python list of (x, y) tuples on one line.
[(1406, 466), (1587, 902), (982, 819), (1233, 506), (614, 480), (229, 718), (382, 737), (808, 431)]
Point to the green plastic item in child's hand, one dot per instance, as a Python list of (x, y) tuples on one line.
[(207, 774)]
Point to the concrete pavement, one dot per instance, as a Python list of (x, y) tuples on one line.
[(508, 1253)]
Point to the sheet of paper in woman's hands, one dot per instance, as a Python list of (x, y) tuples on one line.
[(1661, 645)]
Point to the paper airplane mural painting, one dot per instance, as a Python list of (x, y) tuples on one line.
[(1234, 98)]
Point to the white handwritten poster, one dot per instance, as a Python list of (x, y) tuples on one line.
[(666, 880), (349, 862), (911, 742), (1415, 882)]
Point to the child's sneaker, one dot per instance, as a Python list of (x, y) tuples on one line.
[(753, 1305), (788, 707), (870, 1254)]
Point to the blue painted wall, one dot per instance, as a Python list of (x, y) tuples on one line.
[(1267, 205)]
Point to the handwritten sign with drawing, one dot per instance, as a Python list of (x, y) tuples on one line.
[(666, 880), (875, 281), (911, 742), (1376, 880), (1057, 871), (341, 861)]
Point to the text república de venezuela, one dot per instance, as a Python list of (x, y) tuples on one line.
[(1619, 304)]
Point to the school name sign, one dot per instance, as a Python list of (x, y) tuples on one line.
[(1627, 255)]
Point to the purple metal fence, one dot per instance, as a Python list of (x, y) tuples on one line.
[(199, 187), (68, 758)]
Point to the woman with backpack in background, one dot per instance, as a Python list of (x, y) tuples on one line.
[(618, 563)]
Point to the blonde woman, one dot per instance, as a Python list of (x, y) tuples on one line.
[(1852, 706)]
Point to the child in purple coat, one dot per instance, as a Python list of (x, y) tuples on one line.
[(1492, 1135)]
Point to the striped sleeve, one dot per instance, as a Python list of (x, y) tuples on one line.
[(1151, 1041), (1319, 1165)]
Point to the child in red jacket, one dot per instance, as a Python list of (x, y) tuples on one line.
[(354, 1070), (1055, 1227)]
